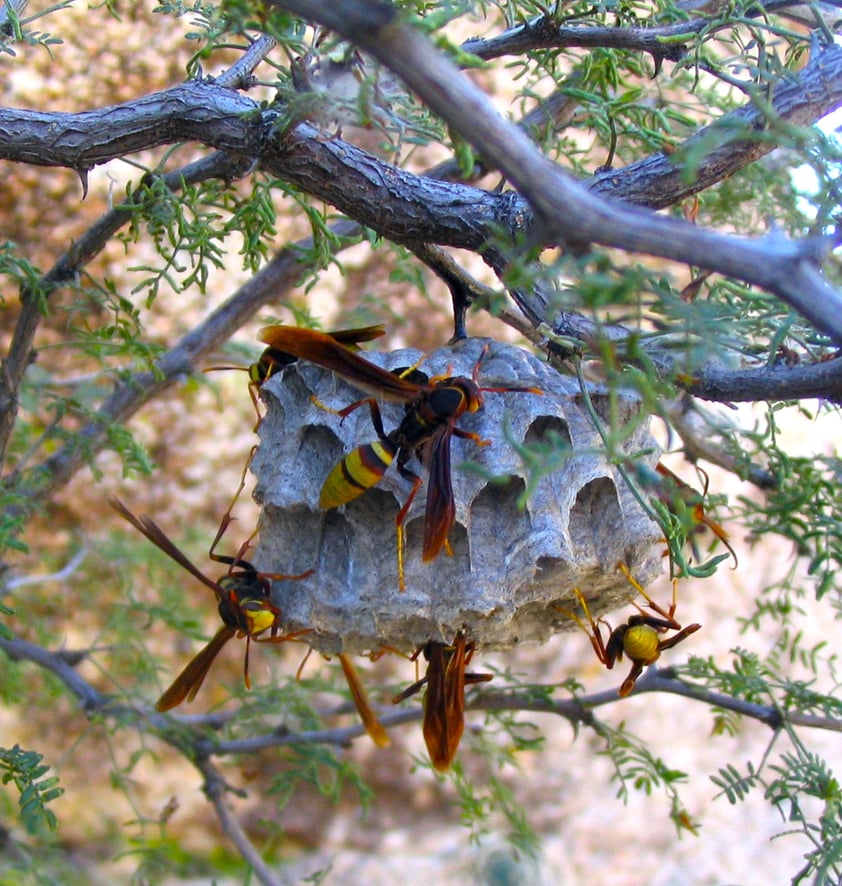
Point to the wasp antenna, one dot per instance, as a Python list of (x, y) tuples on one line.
[(225, 368), (482, 353)]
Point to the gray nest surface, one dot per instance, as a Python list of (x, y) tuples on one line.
[(521, 542)]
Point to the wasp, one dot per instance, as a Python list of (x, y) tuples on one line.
[(432, 409), (641, 639), (243, 599), (676, 491), (272, 360), (444, 700)]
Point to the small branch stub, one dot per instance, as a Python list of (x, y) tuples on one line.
[(512, 566)]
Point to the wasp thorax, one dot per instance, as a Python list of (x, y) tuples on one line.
[(520, 541), (449, 400)]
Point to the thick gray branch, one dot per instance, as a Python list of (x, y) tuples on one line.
[(187, 112), (394, 202), (565, 210), (409, 208), (663, 41), (780, 382)]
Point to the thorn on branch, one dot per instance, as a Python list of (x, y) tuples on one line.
[(73, 657), (82, 172)]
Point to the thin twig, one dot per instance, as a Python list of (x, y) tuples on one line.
[(653, 680), (11, 584), (215, 789), (171, 727), (238, 76), (80, 253), (269, 284)]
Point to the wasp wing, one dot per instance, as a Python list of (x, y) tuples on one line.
[(324, 350), (189, 681), (440, 512), (350, 337), (148, 527), (444, 703)]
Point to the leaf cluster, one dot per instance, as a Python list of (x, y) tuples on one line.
[(26, 772)]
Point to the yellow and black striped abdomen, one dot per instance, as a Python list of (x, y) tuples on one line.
[(358, 472)]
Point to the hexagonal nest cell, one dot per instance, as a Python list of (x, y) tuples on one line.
[(520, 543)]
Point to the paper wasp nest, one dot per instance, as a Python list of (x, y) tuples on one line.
[(511, 565)]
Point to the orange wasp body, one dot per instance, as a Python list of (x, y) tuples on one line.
[(444, 700), (640, 639)]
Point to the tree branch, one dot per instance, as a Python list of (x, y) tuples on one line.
[(280, 274), (309, 161), (82, 251), (186, 112), (62, 575), (655, 679), (547, 32), (700, 441), (238, 76), (268, 285), (777, 382), (215, 788), (408, 208), (576, 710), (662, 42), (729, 143), (565, 211), (22, 650)]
